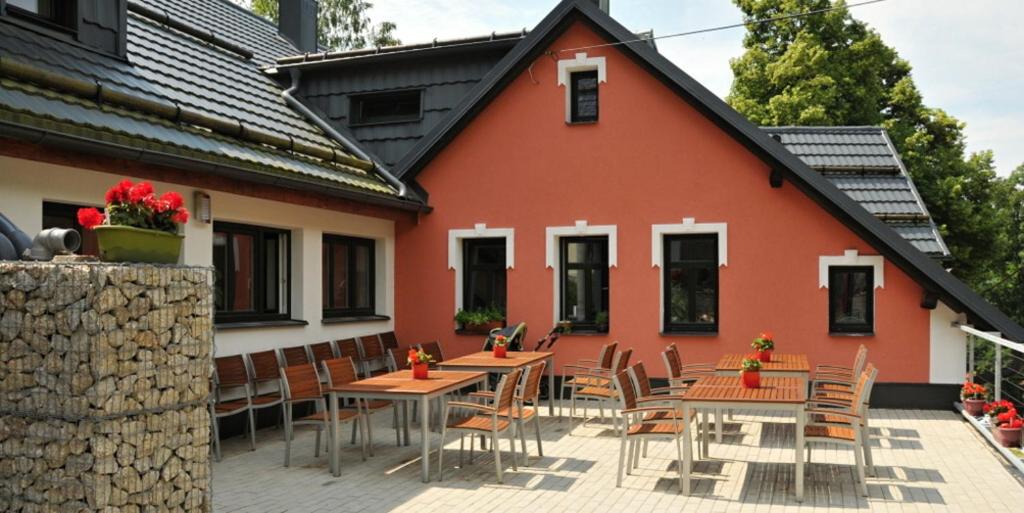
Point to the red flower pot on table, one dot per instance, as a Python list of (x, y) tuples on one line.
[(420, 363), (763, 346), (750, 375), (751, 379), (501, 346)]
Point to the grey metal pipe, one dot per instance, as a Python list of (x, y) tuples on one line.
[(289, 98), (53, 241), (18, 238)]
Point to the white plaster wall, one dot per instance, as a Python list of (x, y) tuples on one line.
[(948, 347), (25, 185)]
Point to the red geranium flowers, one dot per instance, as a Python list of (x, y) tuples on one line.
[(137, 205)]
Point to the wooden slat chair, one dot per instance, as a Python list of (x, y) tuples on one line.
[(635, 428), (433, 349), (231, 376), (374, 359), (680, 374), (302, 385), (348, 347), (266, 380), (843, 400), (340, 371), (602, 365), (600, 388), (652, 396), (843, 426), (840, 379), (296, 355), (322, 351), (493, 419), (529, 392), (388, 340)]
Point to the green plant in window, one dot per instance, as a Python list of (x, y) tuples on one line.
[(601, 318), (479, 316)]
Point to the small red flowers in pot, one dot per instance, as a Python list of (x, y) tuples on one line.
[(501, 346), (764, 344), (1008, 428), (750, 376), (420, 363), (973, 397), (137, 225)]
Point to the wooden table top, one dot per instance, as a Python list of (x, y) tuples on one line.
[(402, 382), (729, 389), (780, 363), (487, 359)]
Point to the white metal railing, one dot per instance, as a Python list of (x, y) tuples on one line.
[(999, 370)]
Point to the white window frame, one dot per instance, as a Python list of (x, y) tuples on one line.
[(688, 226), (580, 62), (553, 234), (851, 257), (479, 231)]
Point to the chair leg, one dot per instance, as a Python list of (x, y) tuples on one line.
[(679, 454), (252, 430), (353, 442), (440, 454), (636, 453), (865, 438), (512, 446), (536, 426), (462, 446), (629, 457), (858, 458), (622, 462), (522, 440), (497, 454), (368, 426), (288, 435), (316, 448), (645, 448), (572, 408), (215, 424), (394, 424)]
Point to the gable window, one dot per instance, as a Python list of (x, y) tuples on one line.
[(348, 276), (58, 14), (252, 266), (393, 107), (65, 215), (484, 279), (583, 96), (584, 282), (690, 269), (851, 299)]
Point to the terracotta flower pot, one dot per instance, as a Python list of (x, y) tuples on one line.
[(129, 244), (765, 356), (419, 370), (751, 379), (974, 407), (1008, 437), (501, 351)]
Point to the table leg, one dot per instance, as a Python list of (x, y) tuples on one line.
[(405, 421), (687, 450), (551, 387), (800, 453), (425, 438), (705, 434), (718, 425), (335, 434)]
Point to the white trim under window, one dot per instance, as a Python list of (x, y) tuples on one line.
[(850, 257), (479, 231), (580, 62), (688, 226), (552, 257)]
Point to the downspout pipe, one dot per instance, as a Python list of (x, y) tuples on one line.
[(289, 98)]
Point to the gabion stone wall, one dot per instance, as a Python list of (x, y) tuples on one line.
[(103, 387)]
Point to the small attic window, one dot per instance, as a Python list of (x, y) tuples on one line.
[(584, 96), (391, 107), (55, 14)]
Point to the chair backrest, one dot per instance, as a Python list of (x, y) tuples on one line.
[(506, 390), (231, 371), (621, 360), (531, 388), (433, 349), (388, 339), (295, 355), (322, 351), (339, 371), (604, 360), (862, 392), (265, 366), (348, 347), (372, 348), (640, 379), (627, 392), (301, 382), (672, 362), (860, 360)]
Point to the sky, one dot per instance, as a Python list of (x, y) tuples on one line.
[(968, 57)]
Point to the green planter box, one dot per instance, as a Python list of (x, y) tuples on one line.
[(130, 244)]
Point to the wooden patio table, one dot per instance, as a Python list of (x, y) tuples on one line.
[(782, 366), (400, 386), (776, 394), (484, 361)]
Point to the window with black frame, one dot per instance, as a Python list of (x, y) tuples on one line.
[(584, 108), (252, 266), (584, 282), (484, 278), (851, 299), (55, 14), (690, 268), (65, 215), (348, 276)]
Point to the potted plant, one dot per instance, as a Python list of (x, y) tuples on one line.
[(420, 363), (1008, 428), (750, 373), (480, 321), (764, 344), (137, 225), (601, 320), (501, 346), (973, 397), (996, 408)]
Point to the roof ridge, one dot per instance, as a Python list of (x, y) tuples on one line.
[(329, 55)]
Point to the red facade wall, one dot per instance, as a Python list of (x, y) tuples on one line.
[(651, 159)]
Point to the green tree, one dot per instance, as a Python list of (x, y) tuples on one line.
[(831, 69), (341, 24)]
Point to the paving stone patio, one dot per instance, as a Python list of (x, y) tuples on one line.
[(925, 461)]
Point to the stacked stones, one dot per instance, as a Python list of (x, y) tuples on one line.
[(103, 387)]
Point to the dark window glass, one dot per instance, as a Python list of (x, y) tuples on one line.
[(691, 283), (385, 108), (484, 280), (348, 276), (584, 96), (252, 269), (58, 14), (851, 299), (584, 282), (64, 215)]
